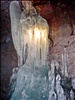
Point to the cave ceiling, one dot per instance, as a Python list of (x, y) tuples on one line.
[(51, 7)]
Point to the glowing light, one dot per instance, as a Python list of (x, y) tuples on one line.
[(37, 33)]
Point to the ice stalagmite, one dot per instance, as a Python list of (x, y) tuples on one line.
[(30, 38)]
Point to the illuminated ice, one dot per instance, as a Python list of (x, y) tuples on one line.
[(30, 38)]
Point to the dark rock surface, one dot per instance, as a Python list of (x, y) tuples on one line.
[(8, 53), (8, 62)]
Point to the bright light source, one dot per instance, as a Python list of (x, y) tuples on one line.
[(37, 33)]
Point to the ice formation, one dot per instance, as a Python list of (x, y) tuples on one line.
[(64, 62), (56, 92), (33, 79), (73, 83), (30, 35), (30, 38), (71, 95)]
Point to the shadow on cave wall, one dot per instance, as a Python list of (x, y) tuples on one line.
[(8, 53)]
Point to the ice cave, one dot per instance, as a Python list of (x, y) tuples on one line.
[(43, 37)]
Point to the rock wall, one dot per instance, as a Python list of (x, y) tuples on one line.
[(57, 51), (8, 53)]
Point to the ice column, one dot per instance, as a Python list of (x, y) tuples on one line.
[(30, 40)]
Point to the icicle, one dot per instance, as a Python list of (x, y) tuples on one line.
[(64, 63), (63, 71)]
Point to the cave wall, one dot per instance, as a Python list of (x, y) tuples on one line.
[(8, 53), (61, 20)]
